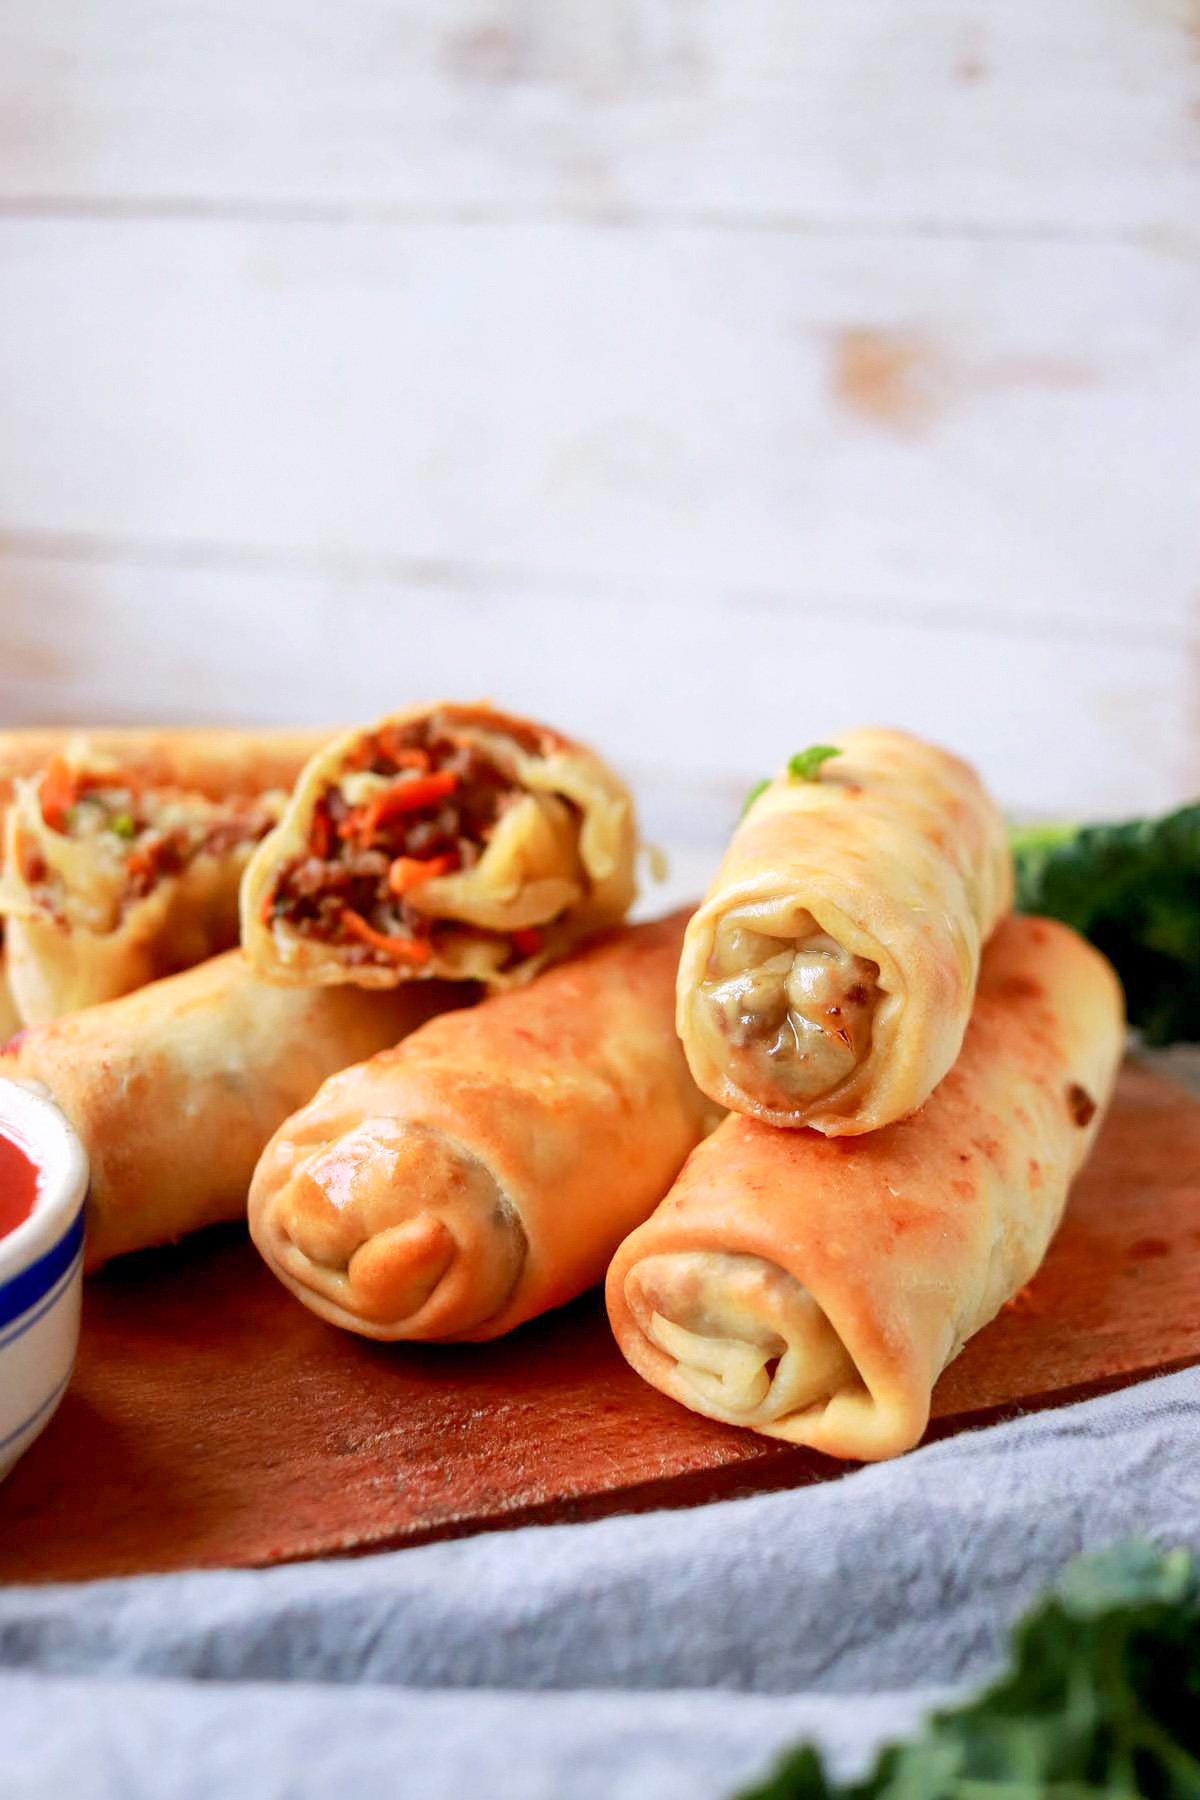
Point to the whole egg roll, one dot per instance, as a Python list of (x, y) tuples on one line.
[(485, 1170), (827, 978), (448, 840), (110, 882), (176, 1089), (814, 1289)]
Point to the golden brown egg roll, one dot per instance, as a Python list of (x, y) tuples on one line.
[(827, 978), (110, 882), (485, 1170), (215, 761), (814, 1288), (447, 840), (176, 1089)]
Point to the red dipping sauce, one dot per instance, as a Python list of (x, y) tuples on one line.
[(20, 1178)]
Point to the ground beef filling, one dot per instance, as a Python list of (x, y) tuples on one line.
[(432, 815), (155, 855)]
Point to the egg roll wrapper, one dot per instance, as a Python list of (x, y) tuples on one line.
[(10, 1018), (894, 863), (78, 929), (556, 867), (214, 761), (813, 1289), (485, 1170), (176, 1089)]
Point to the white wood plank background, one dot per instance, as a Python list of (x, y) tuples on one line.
[(995, 429), (1076, 115), (695, 701), (703, 374)]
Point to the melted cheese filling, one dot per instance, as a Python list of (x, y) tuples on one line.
[(792, 1016)]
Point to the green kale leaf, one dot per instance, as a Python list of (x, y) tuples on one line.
[(1134, 890), (1102, 1697)]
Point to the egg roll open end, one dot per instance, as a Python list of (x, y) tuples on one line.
[(789, 1016), (394, 1231), (735, 1336)]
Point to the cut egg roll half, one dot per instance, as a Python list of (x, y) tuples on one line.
[(827, 978), (111, 881), (449, 840), (813, 1289), (215, 761), (486, 1169)]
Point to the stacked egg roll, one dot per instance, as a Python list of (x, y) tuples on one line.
[(175, 1090), (828, 976), (111, 880), (485, 1170), (447, 840), (814, 1288)]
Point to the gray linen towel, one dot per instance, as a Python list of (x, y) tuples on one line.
[(128, 1740), (831, 1610)]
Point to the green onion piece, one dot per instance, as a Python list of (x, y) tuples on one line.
[(124, 825), (806, 764), (755, 791)]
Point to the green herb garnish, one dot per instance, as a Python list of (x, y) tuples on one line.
[(1102, 1697), (1134, 890), (806, 764), (760, 787), (124, 825)]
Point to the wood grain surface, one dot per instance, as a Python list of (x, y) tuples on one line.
[(212, 1420)]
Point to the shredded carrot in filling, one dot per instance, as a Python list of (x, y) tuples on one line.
[(408, 872), (407, 796), (58, 793), (409, 950), (62, 787), (404, 756)]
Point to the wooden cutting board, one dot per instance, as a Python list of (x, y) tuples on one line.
[(213, 1420)]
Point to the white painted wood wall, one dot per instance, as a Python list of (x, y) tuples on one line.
[(701, 374)]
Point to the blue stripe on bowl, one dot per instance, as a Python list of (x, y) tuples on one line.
[(39, 1412), (28, 1320), (33, 1283)]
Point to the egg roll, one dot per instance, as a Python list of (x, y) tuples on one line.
[(448, 840), (827, 978), (215, 761), (812, 1288), (10, 1018), (110, 882), (176, 1089), (484, 1171)]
